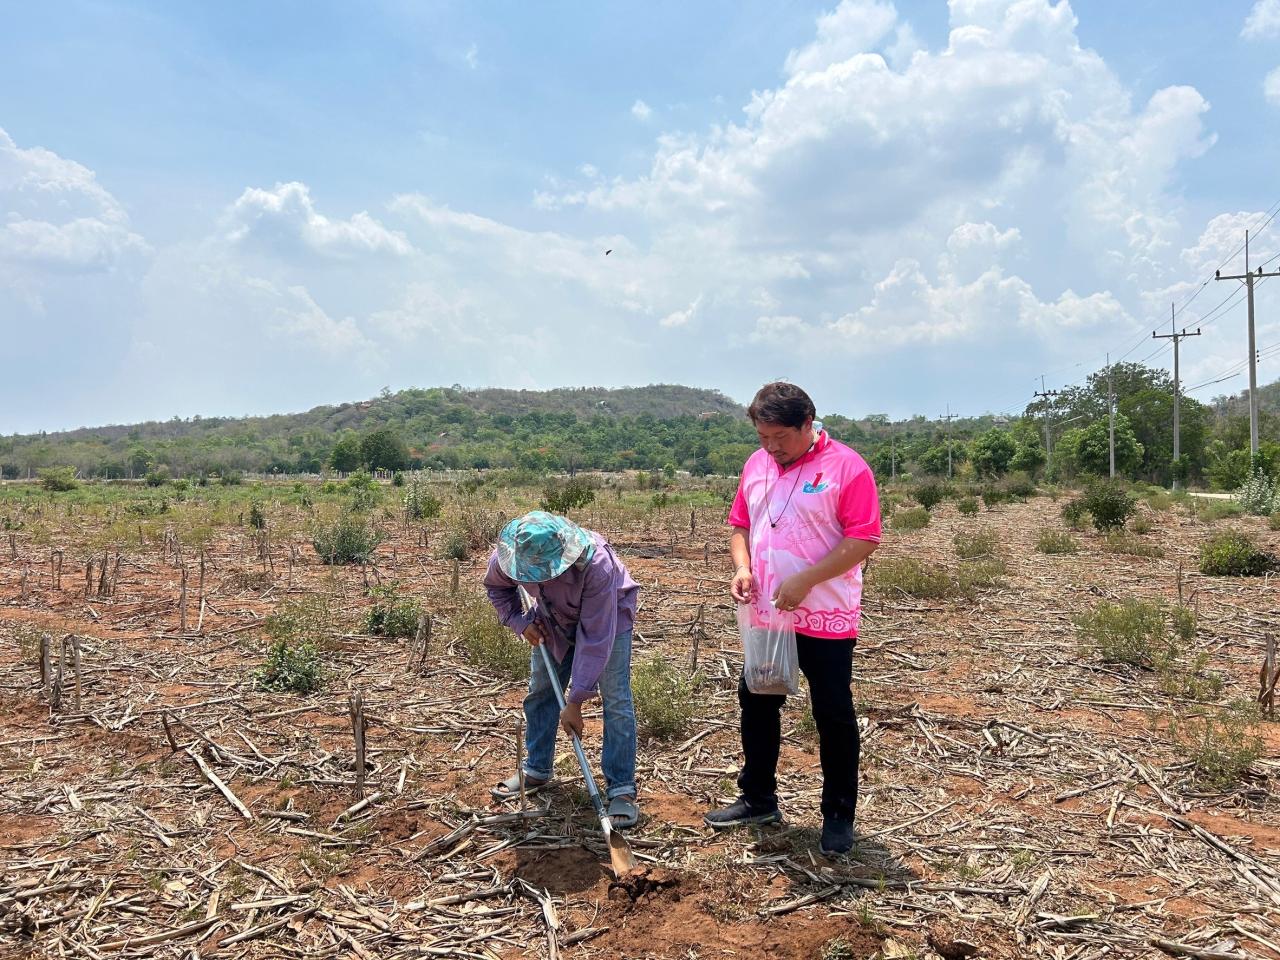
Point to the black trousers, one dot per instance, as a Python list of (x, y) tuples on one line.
[(828, 666)]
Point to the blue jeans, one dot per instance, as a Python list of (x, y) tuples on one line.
[(542, 719)]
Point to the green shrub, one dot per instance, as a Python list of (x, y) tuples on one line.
[(980, 574), (1056, 541), (363, 498), (392, 615), (257, 518), (419, 502), (912, 577), (1259, 494), (349, 539), (1074, 513), (181, 484), (478, 524), (1020, 485), (664, 699), (915, 518), (993, 496), (147, 508), (1221, 743), (1123, 542), (231, 478), (58, 479), (397, 479), (930, 494), (1109, 504), (1211, 511), (1233, 553), (570, 494), (1140, 524), (967, 506), (486, 642), (158, 477), (971, 544), (455, 547), (1133, 632), (291, 666)]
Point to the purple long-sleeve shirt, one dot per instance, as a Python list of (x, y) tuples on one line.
[(591, 604)]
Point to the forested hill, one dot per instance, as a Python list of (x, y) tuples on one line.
[(440, 427)]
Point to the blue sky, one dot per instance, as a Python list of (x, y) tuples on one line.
[(250, 208)]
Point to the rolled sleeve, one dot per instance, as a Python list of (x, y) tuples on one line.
[(597, 627), (504, 594), (859, 508)]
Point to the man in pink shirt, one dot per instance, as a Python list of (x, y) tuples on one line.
[(805, 518)]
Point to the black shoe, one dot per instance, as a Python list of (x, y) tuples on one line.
[(837, 836), (741, 814)]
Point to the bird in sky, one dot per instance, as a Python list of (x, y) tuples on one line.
[(609, 251)]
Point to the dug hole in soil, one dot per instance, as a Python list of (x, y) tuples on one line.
[(671, 912)]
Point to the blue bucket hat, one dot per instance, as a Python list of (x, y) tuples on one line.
[(540, 546)]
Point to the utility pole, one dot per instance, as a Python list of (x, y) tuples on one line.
[(1111, 418), (947, 420), (1176, 337), (1048, 396), (893, 451), (1250, 279)]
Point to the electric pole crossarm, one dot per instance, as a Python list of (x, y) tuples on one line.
[(1250, 278)]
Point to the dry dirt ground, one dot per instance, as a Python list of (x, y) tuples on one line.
[(1017, 795)]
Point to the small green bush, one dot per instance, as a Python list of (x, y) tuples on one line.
[(1132, 632), (930, 494), (971, 544), (487, 643), (1056, 541), (419, 502), (1123, 542), (1140, 524), (257, 517), (1109, 504), (231, 478), (455, 547), (158, 477), (570, 494), (349, 539), (392, 615), (1020, 485), (1159, 500), (981, 574), (915, 518), (397, 479), (1211, 511), (1259, 495), (291, 667), (915, 578), (993, 496), (1074, 513), (664, 699), (967, 506), (1233, 553), (58, 479), (1221, 743)]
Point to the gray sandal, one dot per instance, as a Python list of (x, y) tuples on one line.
[(623, 812), (509, 789)]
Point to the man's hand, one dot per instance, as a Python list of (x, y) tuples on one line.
[(534, 634), (792, 591), (571, 719), (743, 585)]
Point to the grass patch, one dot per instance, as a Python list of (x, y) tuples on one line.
[(1123, 542), (1233, 553), (1159, 500), (392, 615), (915, 578), (967, 506), (349, 539), (486, 642), (1132, 632), (1211, 511), (292, 666), (664, 699), (980, 574), (1056, 542), (915, 518), (972, 544), (1221, 743)]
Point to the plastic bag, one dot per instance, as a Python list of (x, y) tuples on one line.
[(769, 644)]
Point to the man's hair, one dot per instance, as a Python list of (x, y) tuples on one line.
[(783, 404)]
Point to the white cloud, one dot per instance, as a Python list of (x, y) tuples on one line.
[(57, 216), (641, 111), (1271, 87), (854, 27), (679, 318), (472, 56), (1263, 20), (286, 221)]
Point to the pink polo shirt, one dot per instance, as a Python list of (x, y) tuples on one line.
[(797, 516)]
